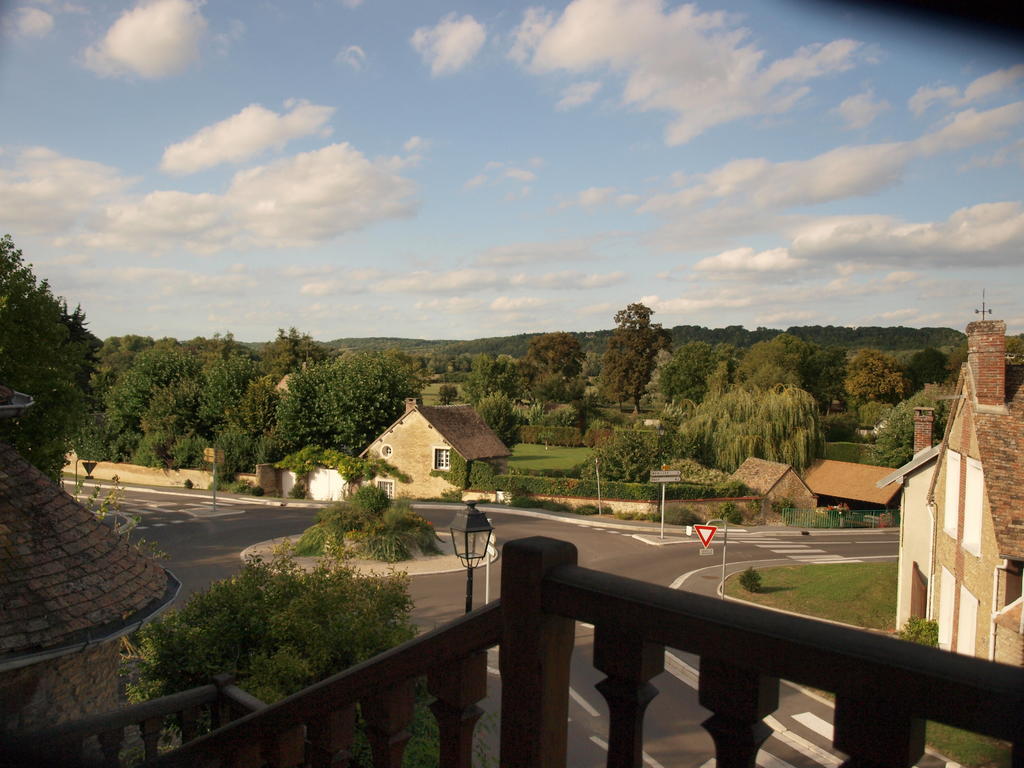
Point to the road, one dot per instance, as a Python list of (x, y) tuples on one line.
[(203, 546)]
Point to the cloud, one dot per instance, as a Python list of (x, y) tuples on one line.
[(415, 144), (454, 306), (746, 260), (969, 127), (353, 56), (479, 180), (459, 281), (451, 45), (696, 66), (152, 40), (578, 94), (517, 304), (591, 197), (682, 305), (976, 90), (860, 110), (245, 135), (29, 22), (531, 253), (520, 174)]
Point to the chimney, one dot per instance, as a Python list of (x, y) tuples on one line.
[(411, 403), (986, 355), (924, 419)]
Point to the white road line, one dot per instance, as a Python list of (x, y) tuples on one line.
[(819, 558), (710, 763), (680, 670), (583, 702), (159, 525), (816, 724), (176, 522), (764, 759), (802, 745), (647, 758)]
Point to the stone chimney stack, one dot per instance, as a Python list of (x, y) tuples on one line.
[(924, 421), (412, 402), (986, 355)]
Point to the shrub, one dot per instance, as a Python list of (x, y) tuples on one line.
[(481, 475), (596, 436), (525, 485), (551, 435), (452, 494), (750, 580), (298, 491), (187, 484), (244, 486), (681, 516), (396, 534), (586, 509), (920, 630), (731, 513), (371, 500)]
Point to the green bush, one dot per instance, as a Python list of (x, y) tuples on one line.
[(730, 513), (298, 491), (551, 435), (244, 486), (921, 630), (681, 516), (586, 509), (481, 474), (371, 500), (396, 535), (187, 484), (523, 485), (452, 494), (750, 580)]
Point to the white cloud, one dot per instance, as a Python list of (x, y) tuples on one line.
[(245, 135), (29, 22), (567, 280), (416, 144), (747, 260), (969, 127), (517, 304), (697, 66), (860, 110), (478, 180), (520, 174), (451, 45), (454, 306), (578, 94), (153, 39), (530, 253), (976, 90), (354, 56), (593, 197), (788, 317), (682, 305)]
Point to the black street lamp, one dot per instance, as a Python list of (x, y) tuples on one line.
[(471, 537)]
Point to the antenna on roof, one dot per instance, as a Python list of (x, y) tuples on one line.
[(984, 310)]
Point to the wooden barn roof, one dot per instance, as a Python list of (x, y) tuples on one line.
[(468, 434), (848, 480), (760, 475), (66, 577)]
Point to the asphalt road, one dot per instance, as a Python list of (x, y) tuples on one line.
[(203, 546)]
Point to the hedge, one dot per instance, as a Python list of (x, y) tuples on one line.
[(570, 437), (570, 486)]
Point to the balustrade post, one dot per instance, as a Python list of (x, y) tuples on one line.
[(877, 733), (189, 723), (534, 657), (739, 699), (629, 663), (150, 730), (388, 715), (110, 746), (221, 710), (457, 688), (330, 737), (286, 748)]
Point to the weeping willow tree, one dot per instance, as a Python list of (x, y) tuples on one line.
[(777, 424)]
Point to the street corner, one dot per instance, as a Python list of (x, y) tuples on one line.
[(657, 541)]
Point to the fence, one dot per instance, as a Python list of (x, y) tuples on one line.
[(841, 518)]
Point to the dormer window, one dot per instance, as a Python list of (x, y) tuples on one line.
[(442, 458)]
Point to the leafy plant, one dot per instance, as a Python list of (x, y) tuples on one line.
[(750, 580), (731, 513), (921, 630), (298, 491)]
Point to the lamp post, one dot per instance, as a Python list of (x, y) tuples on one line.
[(471, 536)]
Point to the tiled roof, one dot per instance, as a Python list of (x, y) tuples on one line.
[(1001, 444), (760, 475), (63, 574), (462, 426), (848, 480)]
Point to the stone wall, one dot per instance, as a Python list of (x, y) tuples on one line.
[(412, 441), (135, 473)]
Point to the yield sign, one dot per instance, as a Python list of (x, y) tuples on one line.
[(706, 533)]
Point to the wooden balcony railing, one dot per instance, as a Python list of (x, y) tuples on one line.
[(885, 688)]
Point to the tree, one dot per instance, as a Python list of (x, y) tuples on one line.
[(499, 413), (343, 403), (224, 384), (552, 367), (776, 361), (290, 351), (778, 424), (874, 376), (42, 357), (492, 374), (928, 366), (447, 394), (685, 375), (894, 443), (255, 413), (632, 350), (630, 455)]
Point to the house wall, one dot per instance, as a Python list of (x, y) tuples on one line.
[(59, 690), (969, 570), (413, 440), (915, 536), (790, 486)]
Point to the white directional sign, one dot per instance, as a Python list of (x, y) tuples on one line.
[(665, 476)]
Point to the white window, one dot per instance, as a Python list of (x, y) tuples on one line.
[(967, 622), (385, 450), (947, 585), (388, 486), (442, 458), (952, 502), (972, 507)]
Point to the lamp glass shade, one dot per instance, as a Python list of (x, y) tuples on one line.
[(471, 535)]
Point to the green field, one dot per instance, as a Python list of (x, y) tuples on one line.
[(858, 453), (431, 391), (532, 456), (863, 594)]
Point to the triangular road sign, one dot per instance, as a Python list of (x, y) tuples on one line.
[(706, 533)]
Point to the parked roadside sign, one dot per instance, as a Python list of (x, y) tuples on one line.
[(705, 533), (665, 476)]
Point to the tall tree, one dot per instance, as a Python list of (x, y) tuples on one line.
[(493, 374), (894, 444), (552, 364), (874, 376), (632, 351), (41, 356), (225, 382), (290, 351), (685, 375), (499, 413), (927, 366)]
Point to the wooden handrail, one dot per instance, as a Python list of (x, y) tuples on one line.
[(476, 631)]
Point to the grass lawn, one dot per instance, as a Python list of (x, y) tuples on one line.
[(863, 594), (432, 392), (533, 456), (855, 452)]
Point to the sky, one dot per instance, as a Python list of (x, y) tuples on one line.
[(456, 169)]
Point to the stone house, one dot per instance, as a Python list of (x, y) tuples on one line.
[(978, 502), (774, 481), (427, 442), (71, 588), (838, 483)]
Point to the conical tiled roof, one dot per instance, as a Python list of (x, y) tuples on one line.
[(65, 577)]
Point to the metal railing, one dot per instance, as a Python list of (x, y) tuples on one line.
[(831, 517)]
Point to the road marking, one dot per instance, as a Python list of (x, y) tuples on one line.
[(816, 724), (781, 550), (583, 702), (176, 522), (802, 745), (680, 670), (821, 558), (647, 758), (158, 525), (764, 759)]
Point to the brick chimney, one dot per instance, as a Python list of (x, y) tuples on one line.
[(924, 420), (986, 354), (411, 403)]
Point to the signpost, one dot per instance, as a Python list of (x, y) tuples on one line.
[(664, 475), (213, 455), (725, 541)]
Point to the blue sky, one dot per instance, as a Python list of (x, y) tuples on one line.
[(440, 170)]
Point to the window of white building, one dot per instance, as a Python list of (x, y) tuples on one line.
[(442, 458)]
